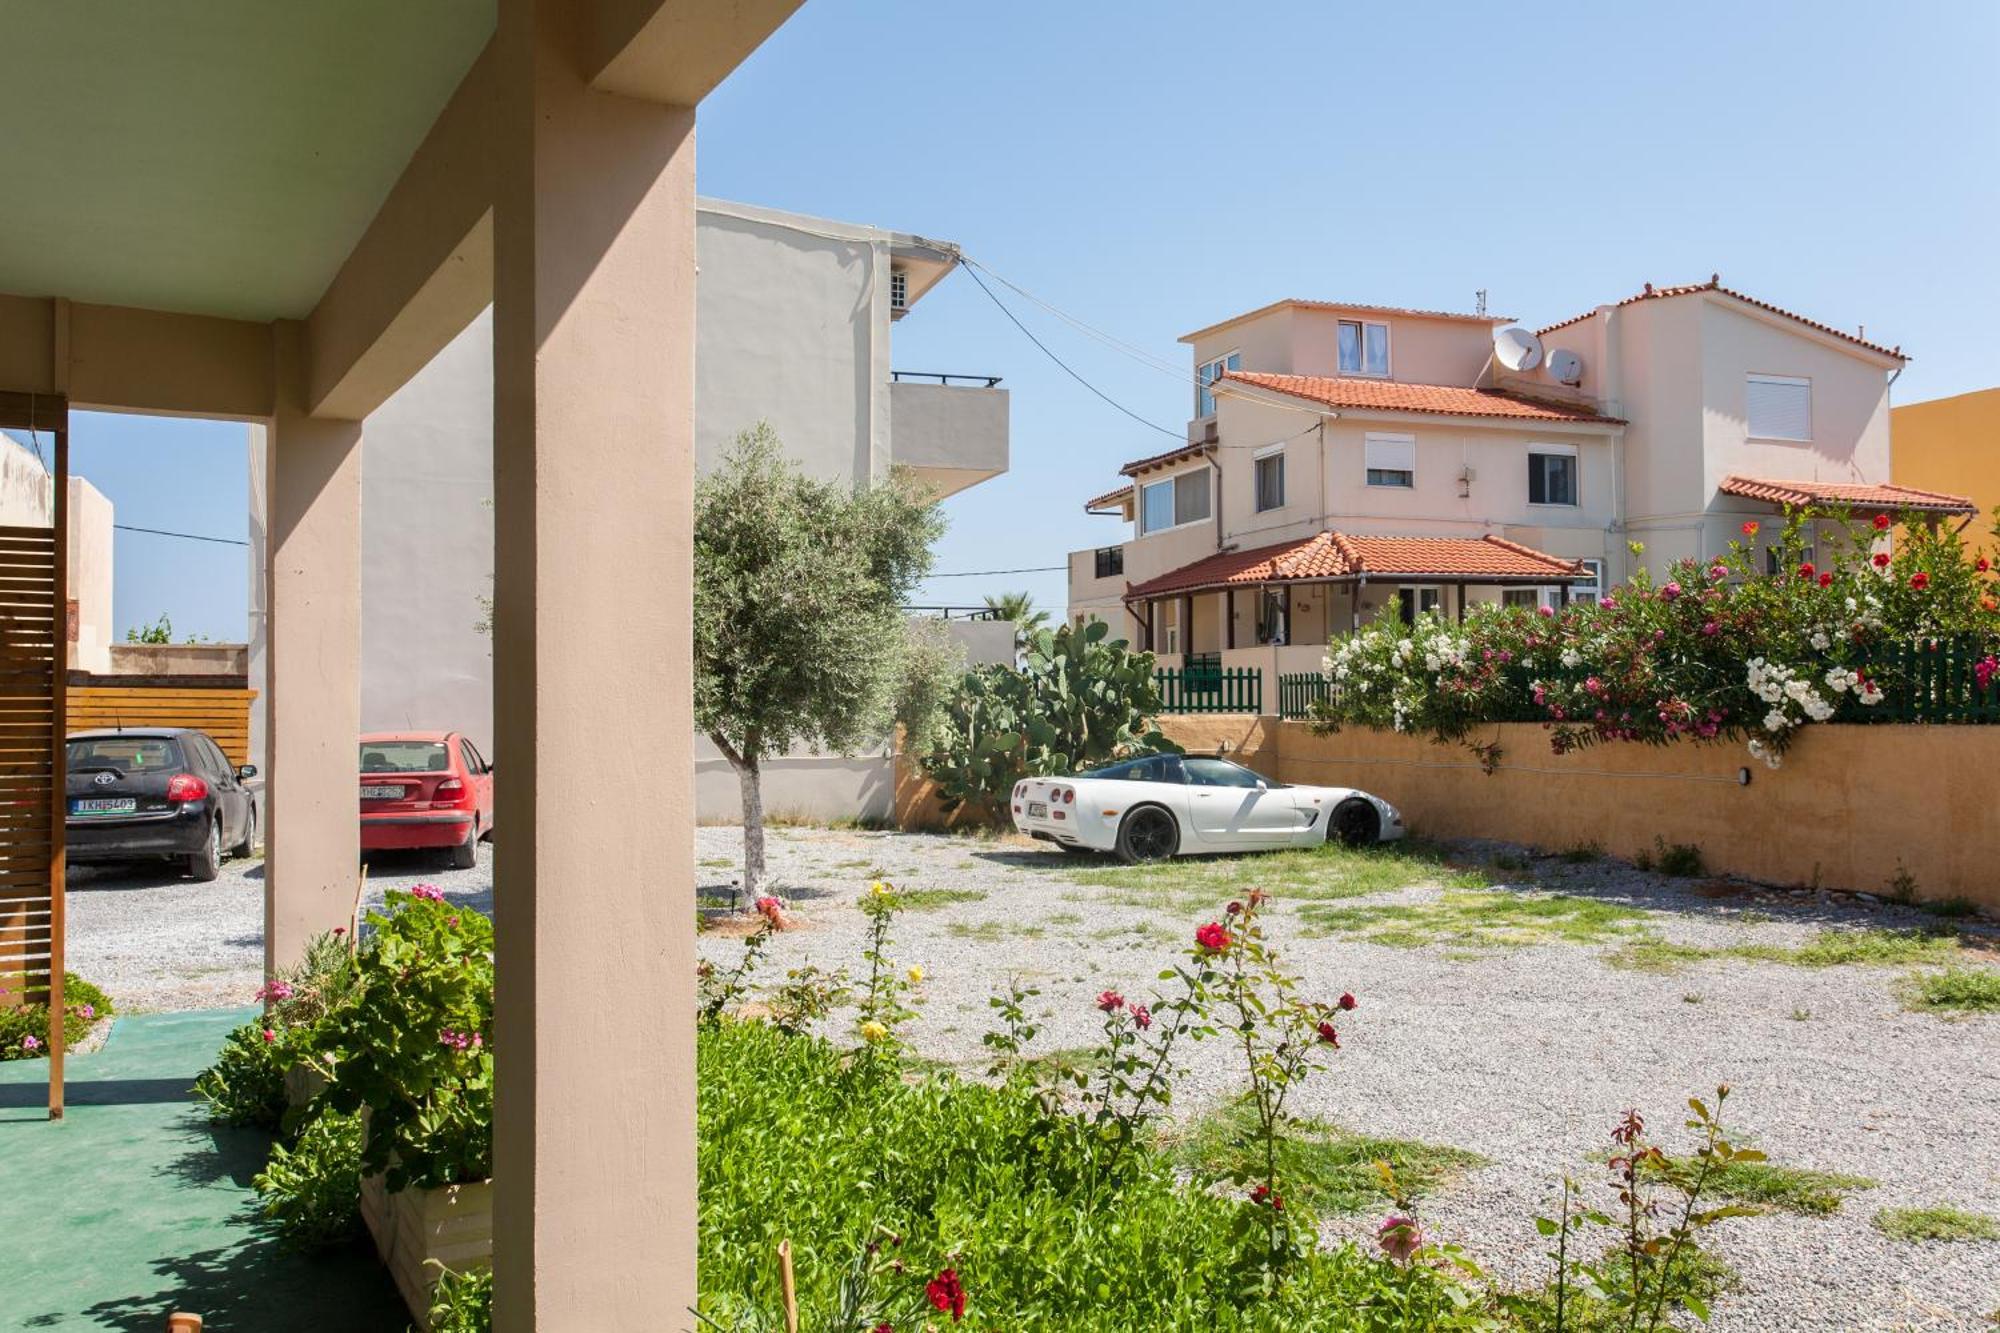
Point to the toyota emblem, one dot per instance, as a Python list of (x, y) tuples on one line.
[(105, 779)]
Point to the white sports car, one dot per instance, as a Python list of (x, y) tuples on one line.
[(1166, 805)]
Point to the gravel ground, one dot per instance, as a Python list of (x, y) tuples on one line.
[(1525, 1057), (156, 940)]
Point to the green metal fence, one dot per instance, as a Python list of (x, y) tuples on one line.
[(1210, 689), (1298, 693)]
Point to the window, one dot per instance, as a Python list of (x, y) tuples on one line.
[(1110, 561), (1177, 500), (1779, 407), (899, 289), (1523, 597), (1218, 773), (1591, 591), (1414, 602), (1808, 555), (1551, 475), (404, 757), (1391, 459), (1271, 481), (1210, 372), (1364, 348), (1272, 609), (1170, 626), (124, 753)]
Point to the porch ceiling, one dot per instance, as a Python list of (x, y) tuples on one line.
[(219, 158)]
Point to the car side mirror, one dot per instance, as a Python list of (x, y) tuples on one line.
[(1263, 785), (247, 771)]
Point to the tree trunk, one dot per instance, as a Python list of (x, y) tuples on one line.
[(748, 774)]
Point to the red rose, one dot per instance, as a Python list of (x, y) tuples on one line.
[(1920, 580), (1328, 1035), (1881, 560), (1881, 522), (1110, 1001), (1234, 909), (1142, 1017), (1347, 1000), (1826, 580), (947, 1293), (1213, 937), (1265, 1194)]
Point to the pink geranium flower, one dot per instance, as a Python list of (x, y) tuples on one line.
[(428, 892)]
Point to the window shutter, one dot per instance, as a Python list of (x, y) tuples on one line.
[(1390, 453), (1779, 407)]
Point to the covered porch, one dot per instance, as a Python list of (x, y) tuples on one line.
[(276, 216), (1274, 609)]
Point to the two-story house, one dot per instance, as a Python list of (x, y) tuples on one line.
[(1346, 461)]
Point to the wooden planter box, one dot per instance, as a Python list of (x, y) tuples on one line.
[(452, 1226)]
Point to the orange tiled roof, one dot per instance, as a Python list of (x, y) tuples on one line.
[(1338, 555), (1714, 284), (1166, 459), (1867, 497), (1095, 503), (1397, 396)]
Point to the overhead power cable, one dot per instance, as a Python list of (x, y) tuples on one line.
[(990, 573), (184, 536)]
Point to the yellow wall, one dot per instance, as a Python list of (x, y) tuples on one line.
[(1953, 445), (1851, 807)]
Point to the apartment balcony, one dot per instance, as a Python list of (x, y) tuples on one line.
[(951, 430)]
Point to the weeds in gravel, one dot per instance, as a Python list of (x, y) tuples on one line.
[(1940, 1222), (1786, 1189), (1325, 1165), (1971, 989), (929, 900), (1952, 909), (1306, 874), (1582, 853), (1479, 920), (1828, 948)]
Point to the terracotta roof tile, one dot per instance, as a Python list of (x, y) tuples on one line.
[(1339, 555), (1397, 396), (1098, 502), (1714, 284), (1166, 459), (1866, 497)]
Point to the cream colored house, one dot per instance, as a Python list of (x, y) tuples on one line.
[(1345, 462)]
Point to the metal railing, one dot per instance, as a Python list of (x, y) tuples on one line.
[(954, 612), (1210, 689), (943, 377)]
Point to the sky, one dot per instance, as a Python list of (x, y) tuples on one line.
[(1153, 168)]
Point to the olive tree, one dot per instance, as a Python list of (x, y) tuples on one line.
[(799, 635)]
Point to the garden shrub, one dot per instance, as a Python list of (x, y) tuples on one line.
[(1719, 649), (312, 1189), (24, 1028), (463, 1302), (246, 1084)]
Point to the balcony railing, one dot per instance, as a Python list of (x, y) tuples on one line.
[(941, 377)]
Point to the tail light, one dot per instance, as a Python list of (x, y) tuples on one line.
[(186, 787), (1069, 796), (449, 792)]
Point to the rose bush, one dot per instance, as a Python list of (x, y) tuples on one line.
[(1718, 649)]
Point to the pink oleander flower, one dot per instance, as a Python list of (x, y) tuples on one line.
[(1718, 572), (1670, 591), (946, 1293), (428, 892), (1110, 1001), (1399, 1237), (1545, 611), (1986, 669), (1142, 1017), (1711, 629)]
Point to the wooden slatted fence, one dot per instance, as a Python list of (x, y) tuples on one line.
[(31, 700), (224, 713)]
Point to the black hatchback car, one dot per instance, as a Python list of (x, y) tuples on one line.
[(140, 793)]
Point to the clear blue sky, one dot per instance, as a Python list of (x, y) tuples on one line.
[(1153, 168)]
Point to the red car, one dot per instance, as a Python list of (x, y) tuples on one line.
[(425, 789)]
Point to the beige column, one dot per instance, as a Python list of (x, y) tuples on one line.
[(593, 474), (312, 695)]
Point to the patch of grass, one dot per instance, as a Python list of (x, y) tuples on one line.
[(1479, 920), (929, 900), (1582, 853), (1784, 1189), (722, 861), (1512, 863), (1940, 1222), (1952, 909), (1828, 948), (1973, 989), (1305, 874), (993, 932), (1330, 1167), (1063, 919), (1682, 860)]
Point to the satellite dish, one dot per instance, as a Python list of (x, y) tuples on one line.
[(1517, 349), (1565, 366)]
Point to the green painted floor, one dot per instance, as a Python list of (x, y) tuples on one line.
[(134, 1205)]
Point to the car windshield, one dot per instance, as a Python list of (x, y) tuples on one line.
[(403, 757), (128, 754), (1220, 773), (1153, 768)]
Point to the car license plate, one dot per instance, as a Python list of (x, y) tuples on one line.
[(381, 793), (1037, 810), (104, 805)]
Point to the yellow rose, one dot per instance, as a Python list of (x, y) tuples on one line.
[(916, 976), (872, 1031)]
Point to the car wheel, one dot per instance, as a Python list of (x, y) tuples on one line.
[(465, 855), (248, 847), (1148, 834), (1355, 823), (206, 864)]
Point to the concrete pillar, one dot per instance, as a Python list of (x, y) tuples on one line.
[(312, 698), (594, 1139)]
